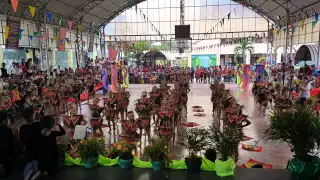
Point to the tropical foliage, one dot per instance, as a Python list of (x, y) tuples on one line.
[(225, 142), (91, 148), (299, 127), (241, 49), (158, 150), (195, 140)]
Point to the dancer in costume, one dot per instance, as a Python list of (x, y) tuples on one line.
[(125, 76), (96, 120), (245, 77), (105, 81), (114, 78), (122, 98), (239, 72), (73, 119)]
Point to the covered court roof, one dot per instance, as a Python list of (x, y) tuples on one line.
[(100, 12)]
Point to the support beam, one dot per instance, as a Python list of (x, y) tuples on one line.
[(288, 39), (270, 42), (79, 45), (182, 12), (90, 5)]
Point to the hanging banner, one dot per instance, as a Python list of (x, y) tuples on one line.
[(14, 28), (91, 44), (112, 53), (6, 31), (62, 39), (32, 10)]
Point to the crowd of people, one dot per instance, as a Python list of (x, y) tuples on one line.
[(36, 108)]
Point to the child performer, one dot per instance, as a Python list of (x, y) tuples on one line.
[(96, 120)]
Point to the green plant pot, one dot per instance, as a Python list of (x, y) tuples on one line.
[(125, 164), (91, 163), (305, 169), (157, 165), (193, 165), (225, 168)]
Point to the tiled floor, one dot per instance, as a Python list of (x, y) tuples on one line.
[(274, 153)]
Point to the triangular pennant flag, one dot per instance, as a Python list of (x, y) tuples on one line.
[(30, 37), (80, 27), (67, 39), (20, 31), (47, 36), (314, 23), (229, 16), (35, 34), (293, 29), (223, 21), (291, 26), (278, 32), (32, 10), (19, 36), (60, 21), (61, 41), (69, 43), (6, 31), (316, 17), (49, 15), (14, 5), (40, 38), (302, 24), (244, 2), (70, 24), (284, 30), (57, 38)]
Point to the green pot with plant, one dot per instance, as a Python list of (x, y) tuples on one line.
[(62, 150), (195, 140), (299, 127), (226, 142), (124, 149), (158, 152), (90, 150)]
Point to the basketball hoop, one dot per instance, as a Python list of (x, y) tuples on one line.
[(181, 45)]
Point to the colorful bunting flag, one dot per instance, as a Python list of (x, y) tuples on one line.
[(229, 16), (40, 38), (47, 36), (60, 21), (291, 26), (80, 27), (6, 31), (14, 5), (49, 15), (314, 23), (32, 10), (35, 34), (293, 29), (57, 38), (70, 24), (30, 37), (316, 17), (20, 31), (302, 25)]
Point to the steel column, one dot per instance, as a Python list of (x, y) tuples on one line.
[(270, 42)]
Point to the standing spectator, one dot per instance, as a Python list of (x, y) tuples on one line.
[(4, 72), (47, 140), (6, 146)]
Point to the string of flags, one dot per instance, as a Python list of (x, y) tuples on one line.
[(153, 27)]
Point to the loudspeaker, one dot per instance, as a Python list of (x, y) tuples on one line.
[(182, 31)]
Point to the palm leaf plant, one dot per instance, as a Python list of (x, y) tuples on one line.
[(299, 127), (195, 140), (158, 152), (241, 49)]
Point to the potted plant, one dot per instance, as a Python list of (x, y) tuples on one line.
[(124, 149), (89, 151), (62, 150), (195, 140), (226, 143), (300, 128), (157, 151)]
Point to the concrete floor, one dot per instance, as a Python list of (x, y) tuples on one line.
[(274, 153)]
